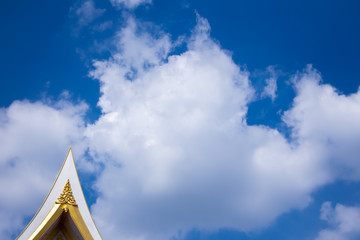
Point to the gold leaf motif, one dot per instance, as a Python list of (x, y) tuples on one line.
[(66, 197)]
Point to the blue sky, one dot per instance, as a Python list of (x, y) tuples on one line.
[(188, 119)]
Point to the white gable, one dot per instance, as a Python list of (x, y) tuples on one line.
[(67, 172)]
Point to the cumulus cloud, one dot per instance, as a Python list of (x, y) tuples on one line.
[(271, 84), (322, 116), (130, 4), (34, 138), (344, 221), (178, 153)]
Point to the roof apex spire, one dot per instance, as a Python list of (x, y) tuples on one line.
[(60, 194)]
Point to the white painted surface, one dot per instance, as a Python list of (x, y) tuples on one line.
[(68, 171)]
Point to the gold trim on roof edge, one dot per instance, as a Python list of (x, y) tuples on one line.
[(56, 211), (66, 197), (77, 175), (62, 166)]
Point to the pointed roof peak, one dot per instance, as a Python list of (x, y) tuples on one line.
[(64, 190)]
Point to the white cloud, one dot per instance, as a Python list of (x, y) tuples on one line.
[(34, 138), (87, 13), (177, 151), (321, 116), (271, 84), (131, 4), (344, 222)]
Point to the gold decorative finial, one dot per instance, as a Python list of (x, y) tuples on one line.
[(66, 197)]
